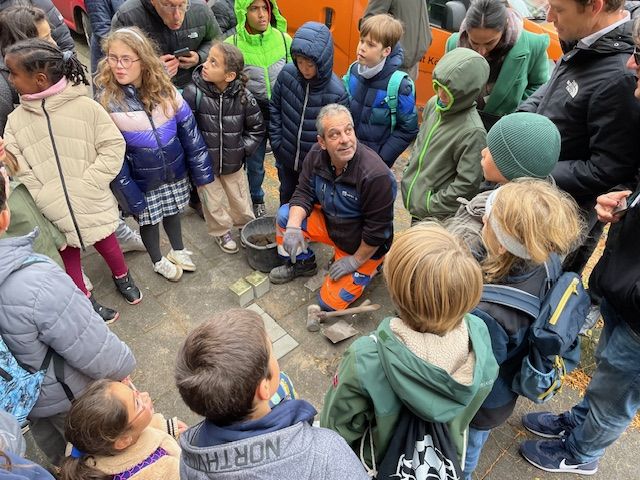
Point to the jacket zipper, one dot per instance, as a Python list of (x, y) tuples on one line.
[(64, 185), (296, 162), (420, 159), (572, 289), (155, 134), (221, 134)]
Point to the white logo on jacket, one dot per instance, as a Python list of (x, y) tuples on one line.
[(572, 88)]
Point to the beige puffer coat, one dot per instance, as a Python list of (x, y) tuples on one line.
[(69, 151)]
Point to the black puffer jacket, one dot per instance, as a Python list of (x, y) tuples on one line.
[(197, 32), (59, 30), (590, 99), (225, 15), (230, 122)]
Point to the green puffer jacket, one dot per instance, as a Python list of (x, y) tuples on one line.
[(264, 54), (363, 395), (445, 159)]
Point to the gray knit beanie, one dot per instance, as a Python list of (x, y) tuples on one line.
[(524, 144)]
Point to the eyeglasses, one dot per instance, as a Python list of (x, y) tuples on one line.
[(126, 62), (636, 55), (183, 7)]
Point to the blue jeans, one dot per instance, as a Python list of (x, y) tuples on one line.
[(477, 439), (255, 172), (613, 395)]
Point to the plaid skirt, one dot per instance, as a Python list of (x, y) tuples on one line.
[(166, 200)]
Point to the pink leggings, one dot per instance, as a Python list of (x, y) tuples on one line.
[(110, 251)]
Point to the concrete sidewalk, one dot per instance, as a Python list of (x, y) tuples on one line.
[(155, 329)]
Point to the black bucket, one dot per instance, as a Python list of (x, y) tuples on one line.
[(262, 258)]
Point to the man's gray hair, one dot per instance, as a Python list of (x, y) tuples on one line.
[(329, 111), (636, 30)]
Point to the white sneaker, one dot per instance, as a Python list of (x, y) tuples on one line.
[(168, 270), (182, 258), (87, 281), (133, 243), (226, 243)]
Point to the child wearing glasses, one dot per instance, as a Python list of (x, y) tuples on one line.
[(68, 152), (163, 145), (115, 434)]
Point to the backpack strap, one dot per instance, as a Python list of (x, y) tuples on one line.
[(287, 53), (154, 457), (198, 99), (511, 297), (393, 87), (346, 78), (553, 266)]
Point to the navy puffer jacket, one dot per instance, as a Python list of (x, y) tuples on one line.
[(296, 102), (160, 149), (238, 133), (372, 116)]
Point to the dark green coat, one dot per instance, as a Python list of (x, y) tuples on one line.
[(525, 68)]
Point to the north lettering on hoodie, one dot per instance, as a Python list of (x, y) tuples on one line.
[(234, 457)]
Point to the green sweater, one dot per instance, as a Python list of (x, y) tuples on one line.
[(445, 159), (25, 216), (379, 374), (525, 68)]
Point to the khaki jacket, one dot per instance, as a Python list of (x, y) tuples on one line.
[(69, 151)]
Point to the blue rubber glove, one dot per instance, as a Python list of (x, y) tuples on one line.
[(294, 242), (343, 267)]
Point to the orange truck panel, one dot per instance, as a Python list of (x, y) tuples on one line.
[(342, 17)]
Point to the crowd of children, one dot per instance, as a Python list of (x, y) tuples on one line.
[(76, 163)]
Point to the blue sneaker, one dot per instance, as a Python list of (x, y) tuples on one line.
[(553, 456), (547, 425)]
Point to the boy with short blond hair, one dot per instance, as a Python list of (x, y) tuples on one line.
[(227, 372), (385, 121), (436, 359)]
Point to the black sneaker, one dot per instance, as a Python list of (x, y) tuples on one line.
[(128, 289), (259, 210), (287, 272), (108, 314)]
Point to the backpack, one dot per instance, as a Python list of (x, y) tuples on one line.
[(554, 344), (19, 383), (392, 91)]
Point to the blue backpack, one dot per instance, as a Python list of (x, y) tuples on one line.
[(554, 345), (20, 384)]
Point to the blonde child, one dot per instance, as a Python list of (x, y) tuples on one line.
[(68, 151), (525, 221), (163, 144), (115, 434), (435, 358), (231, 123)]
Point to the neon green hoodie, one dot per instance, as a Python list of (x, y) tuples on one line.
[(378, 374), (264, 53), (445, 160)]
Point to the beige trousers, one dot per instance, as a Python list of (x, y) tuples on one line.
[(226, 203)]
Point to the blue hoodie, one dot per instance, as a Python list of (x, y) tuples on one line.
[(296, 102), (282, 444), (371, 115)]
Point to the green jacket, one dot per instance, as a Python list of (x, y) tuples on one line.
[(525, 68), (25, 216), (378, 374), (445, 159), (264, 54)]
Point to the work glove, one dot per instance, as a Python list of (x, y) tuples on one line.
[(294, 242), (343, 267)]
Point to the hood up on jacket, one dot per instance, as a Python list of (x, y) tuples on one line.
[(428, 391), (313, 40), (13, 252), (464, 73), (277, 21)]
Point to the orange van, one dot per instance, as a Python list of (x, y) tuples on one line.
[(342, 17)]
